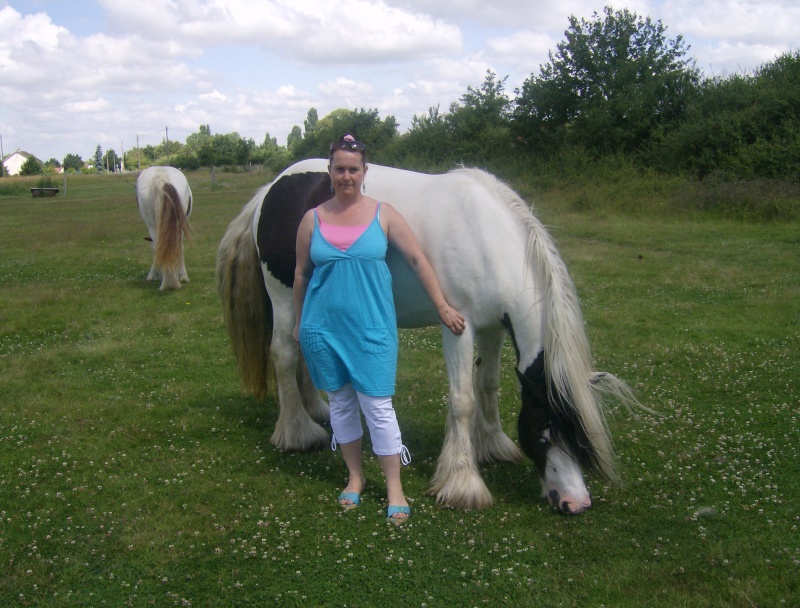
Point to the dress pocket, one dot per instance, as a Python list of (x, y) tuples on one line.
[(377, 340), (312, 340)]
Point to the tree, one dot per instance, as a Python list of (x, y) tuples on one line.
[(73, 161), (311, 121), (743, 126), (428, 143), (294, 138), (270, 143), (366, 125), (484, 107), (613, 81), (230, 149), (205, 154), (206, 150), (479, 123), (31, 166), (110, 161), (271, 154), (98, 158), (196, 140)]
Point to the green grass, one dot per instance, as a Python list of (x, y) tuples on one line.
[(133, 471)]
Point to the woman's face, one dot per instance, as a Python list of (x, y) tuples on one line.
[(347, 171)]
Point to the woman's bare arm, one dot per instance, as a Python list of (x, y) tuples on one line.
[(303, 268), (402, 238)]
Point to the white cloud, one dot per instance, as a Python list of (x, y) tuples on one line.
[(344, 87), (36, 28), (525, 51), (534, 15), (88, 106), (728, 36), (214, 96), (335, 31), (742, 21), (69, 81)]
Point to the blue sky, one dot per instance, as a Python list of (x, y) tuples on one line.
[(77, 74)]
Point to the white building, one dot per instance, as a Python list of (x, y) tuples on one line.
[(13, 162)]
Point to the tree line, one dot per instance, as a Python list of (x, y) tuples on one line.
[(615, 88)]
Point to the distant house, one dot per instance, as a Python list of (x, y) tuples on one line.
[(13, 162)]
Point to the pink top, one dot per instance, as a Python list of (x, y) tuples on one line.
[(341, 237)]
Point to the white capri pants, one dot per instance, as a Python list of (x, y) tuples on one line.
[(346, 405)]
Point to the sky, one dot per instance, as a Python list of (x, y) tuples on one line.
[(78, 74)]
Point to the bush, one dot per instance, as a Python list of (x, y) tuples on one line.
[(45, 182), (747, 127), (31, 167)]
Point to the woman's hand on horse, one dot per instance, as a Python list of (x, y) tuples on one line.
[(452, 319)]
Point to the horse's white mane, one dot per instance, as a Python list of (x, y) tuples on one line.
[(515, 204), (565, 321), (503, 190)]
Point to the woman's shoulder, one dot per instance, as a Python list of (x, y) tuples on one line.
[(391, 212), (307, 220), (386, 206)]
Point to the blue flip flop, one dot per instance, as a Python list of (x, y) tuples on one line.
[(353, 497), (394, 510)]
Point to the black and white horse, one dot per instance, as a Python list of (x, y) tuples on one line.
[(497, 265), (165, 202)]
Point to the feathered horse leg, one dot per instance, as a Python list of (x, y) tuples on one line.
[(489, 441)]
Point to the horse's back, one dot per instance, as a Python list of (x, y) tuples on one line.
[(283, 203), (469, 233), (152, 179), (458, 218)]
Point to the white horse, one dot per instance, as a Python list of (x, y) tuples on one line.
[(165, 202), (497, 265)]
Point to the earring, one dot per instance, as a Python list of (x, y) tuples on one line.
[(363, 187)]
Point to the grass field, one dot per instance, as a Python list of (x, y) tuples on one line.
[(134, 473)]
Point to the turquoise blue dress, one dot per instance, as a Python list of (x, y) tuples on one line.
[(348, 331)]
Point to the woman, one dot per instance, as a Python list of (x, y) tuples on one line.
[(346, 322)]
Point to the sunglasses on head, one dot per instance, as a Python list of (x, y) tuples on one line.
[(344, 144)]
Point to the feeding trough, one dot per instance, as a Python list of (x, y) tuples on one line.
[(39, 192)]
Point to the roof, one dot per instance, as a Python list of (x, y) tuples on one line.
[(22, 153)]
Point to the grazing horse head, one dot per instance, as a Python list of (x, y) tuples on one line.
[(552, 436), (551, 433), (497, 265)]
